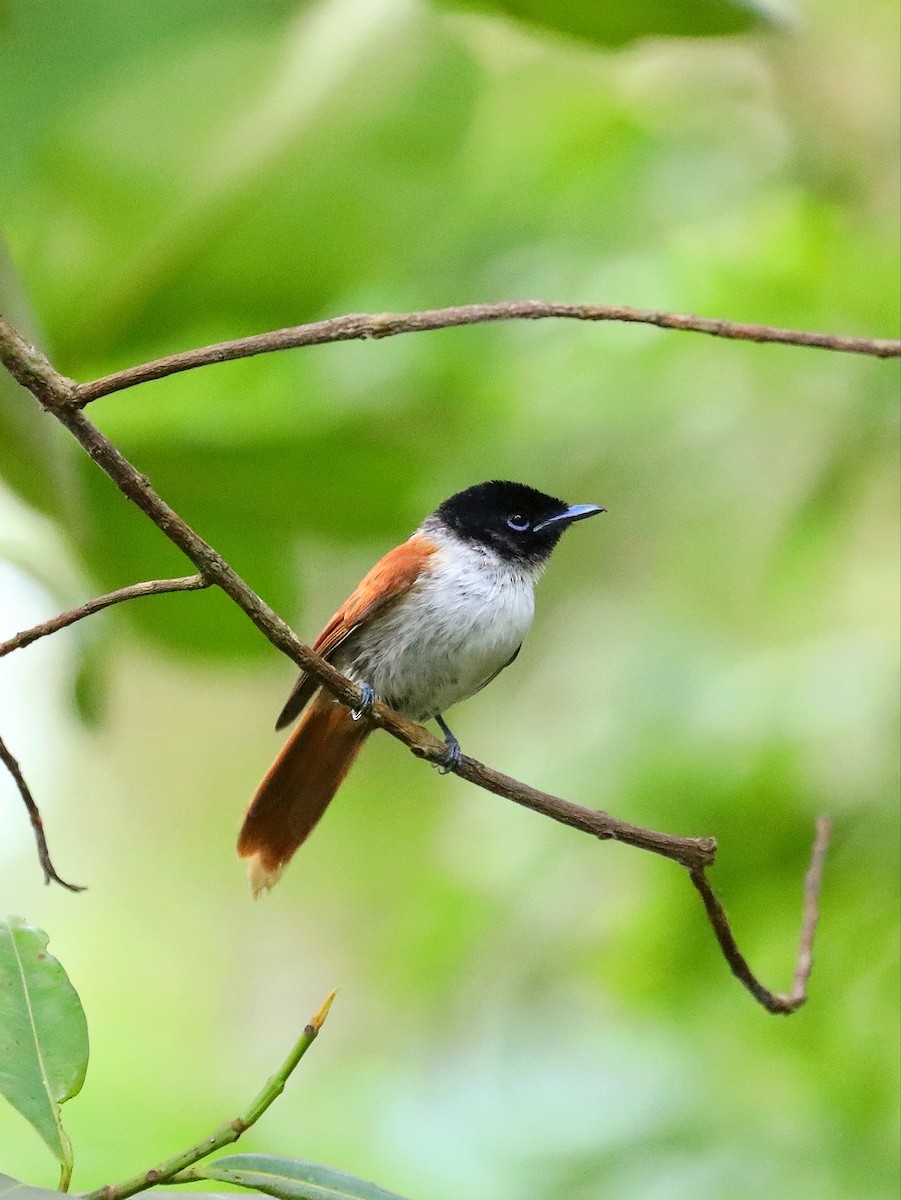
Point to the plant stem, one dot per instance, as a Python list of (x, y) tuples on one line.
[(227, 1132)]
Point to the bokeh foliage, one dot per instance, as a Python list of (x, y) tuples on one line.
[(526, 1014)]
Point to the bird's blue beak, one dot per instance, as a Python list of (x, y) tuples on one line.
[(575, 512)]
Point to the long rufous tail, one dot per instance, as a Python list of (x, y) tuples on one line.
[(297, 788)]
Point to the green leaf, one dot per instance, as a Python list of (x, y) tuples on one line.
[(43, 1035), (291, 1179), (12, 1189), (617, 24)]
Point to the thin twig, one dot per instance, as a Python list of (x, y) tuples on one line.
[(60, 396), (774, 1002), (227, 1132), (36, 823), (812, 883), (363, 326), (152, 587)]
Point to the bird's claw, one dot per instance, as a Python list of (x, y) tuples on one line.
[(452, 751), (452, 756), (367, 699)]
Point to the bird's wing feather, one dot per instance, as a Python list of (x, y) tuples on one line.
[(390, 578)]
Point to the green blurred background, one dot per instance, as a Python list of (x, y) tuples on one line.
[(524, 1014)]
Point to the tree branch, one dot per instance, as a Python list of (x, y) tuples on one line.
[(774, 1002), (226, 1133), (54, 395), (152, 587), (364, 326), (64, 400), (36, 823)]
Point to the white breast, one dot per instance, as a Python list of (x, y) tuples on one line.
[(460, 624)]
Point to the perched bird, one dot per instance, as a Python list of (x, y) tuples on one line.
[(434, 620)]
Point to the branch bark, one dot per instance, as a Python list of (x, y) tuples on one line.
[(152, 587), (365, 326), (34, 815), (66, 399)]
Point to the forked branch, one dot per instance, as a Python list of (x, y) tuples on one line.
[(66, 399), (774, 1002)]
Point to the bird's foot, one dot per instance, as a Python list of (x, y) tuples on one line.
[(452, 756), (452, 751), (367, 699)]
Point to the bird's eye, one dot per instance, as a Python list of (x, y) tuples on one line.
[(518, 523)]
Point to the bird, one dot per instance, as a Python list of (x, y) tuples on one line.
[(434, 621)]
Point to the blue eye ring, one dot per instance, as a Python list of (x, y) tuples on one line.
[(518, 523)]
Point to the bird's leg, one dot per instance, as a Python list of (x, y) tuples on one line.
[(453, 753), (367, 699)]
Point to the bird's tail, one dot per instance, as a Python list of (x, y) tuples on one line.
[(297, 788)]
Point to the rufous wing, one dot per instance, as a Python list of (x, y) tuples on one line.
[(390, 578)]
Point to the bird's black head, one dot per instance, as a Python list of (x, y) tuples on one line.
[(518, 522)]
